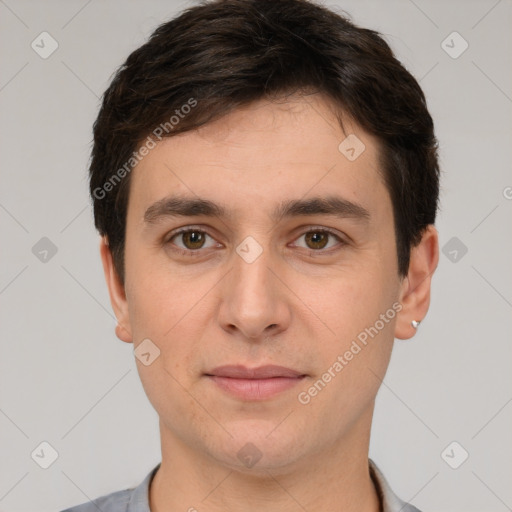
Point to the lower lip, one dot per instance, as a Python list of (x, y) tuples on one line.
[(255, 389)]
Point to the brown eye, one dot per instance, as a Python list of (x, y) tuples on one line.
[(316, 239), (319, 239), (192, 239)]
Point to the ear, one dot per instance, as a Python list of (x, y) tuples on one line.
[(415, 287), (116, 292)]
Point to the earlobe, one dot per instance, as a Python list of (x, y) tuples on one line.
[(117, 293), (123, 334), (415, 290)]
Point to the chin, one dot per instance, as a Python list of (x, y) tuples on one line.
[(258, 446)]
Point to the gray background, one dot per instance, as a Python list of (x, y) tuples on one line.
[(67, 380)]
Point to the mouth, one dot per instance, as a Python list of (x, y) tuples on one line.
[(254, 383)]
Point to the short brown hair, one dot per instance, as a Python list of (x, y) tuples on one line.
[(223, 54)]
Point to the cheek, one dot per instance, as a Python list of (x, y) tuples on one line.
[(171, 313), (347, 303), (156, 300), (357, 311), (168, 396), (354, 360), (164, 313)]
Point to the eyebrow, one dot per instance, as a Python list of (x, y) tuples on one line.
[(194, 207)]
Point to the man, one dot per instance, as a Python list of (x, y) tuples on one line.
[(265, 181)]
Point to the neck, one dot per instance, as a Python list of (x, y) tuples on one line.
[(332, 481)]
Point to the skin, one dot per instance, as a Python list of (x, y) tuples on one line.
[(297, 305)]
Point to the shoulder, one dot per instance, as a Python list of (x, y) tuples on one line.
[(135, 499), (114, 502), (390, 501)]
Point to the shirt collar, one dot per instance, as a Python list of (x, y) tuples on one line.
[(139, 500), (390, 502)]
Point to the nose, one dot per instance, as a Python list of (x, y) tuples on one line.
[(254, 303)]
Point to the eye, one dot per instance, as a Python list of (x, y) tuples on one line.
[(318, 239), (188, 240), (191, 239)]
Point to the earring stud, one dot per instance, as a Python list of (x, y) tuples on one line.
[(416, 323)]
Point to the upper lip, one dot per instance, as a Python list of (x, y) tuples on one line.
[(261, 372)]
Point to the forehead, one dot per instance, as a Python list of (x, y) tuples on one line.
[(264, 153)]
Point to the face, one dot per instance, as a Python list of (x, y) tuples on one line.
[(260, 261)]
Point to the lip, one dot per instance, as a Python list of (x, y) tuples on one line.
[(254, 383), (261, 372)]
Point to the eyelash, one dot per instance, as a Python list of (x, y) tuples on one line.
[(197, 252)]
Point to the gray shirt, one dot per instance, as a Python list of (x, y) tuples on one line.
[(137, 499)]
